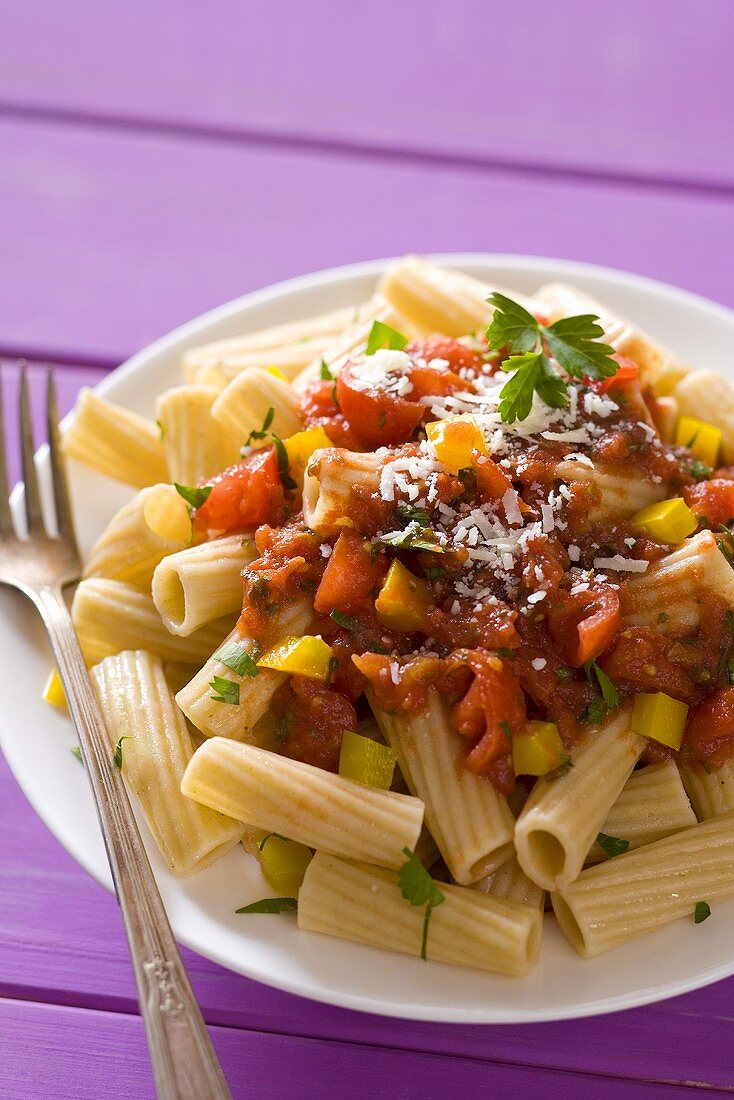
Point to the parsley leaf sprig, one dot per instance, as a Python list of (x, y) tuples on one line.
[(417, 887), (612, 845), (573, 342), (270, 905)]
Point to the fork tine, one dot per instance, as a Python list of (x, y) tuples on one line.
[(64, 520), (33, 512), (6, 519)]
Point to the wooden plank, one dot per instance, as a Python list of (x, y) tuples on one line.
[(112, 238), (72, 1053), (579, 86), (61, 941)]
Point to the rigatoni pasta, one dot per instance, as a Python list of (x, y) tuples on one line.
[(500, 525), (139, 710)]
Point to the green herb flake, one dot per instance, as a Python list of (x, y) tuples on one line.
[(702, 912), (193, 495), (161, 430), (433, 572), (270, 905), (225, 691), (77, 752), (595, 712), (663, 617), (563, 673), (505, 727), (612, 845), (343, 620), (325, 372), (283, 465), (117, 754), (417, 887), (270, 836), (572, 341), (262, 432), (409, 514), (383, 336), (609, 692), (235, 656), (698, 469)]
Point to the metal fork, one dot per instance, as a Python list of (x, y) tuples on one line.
[(184, 1062)]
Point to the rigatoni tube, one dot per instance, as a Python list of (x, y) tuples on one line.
[(254, 693), (357, 902), (653, 804), (467, 817), (563, 815), (200, 583), (138, 705), (643, 890), (304, 803)]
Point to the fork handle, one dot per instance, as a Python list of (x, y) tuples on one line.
[(185, 1064)]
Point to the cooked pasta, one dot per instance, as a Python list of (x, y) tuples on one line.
[(115, 442), (443, 585), (138, 708)]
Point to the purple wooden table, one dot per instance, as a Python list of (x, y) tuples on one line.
[(159, 158)]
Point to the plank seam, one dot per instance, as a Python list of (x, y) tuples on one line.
[(342, 147), (488, 1062)]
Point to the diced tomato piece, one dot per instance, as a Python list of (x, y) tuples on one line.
[(627, 371), (243, 497), (457, 355), (712, 501), (352, 578), (311, 719), (491, 713), (583, 623), (377, 417), (709, 735), (641, 660), (319, 409)]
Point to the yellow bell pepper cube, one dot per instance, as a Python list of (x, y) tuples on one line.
[(366, 761), (301, 446), (667, 521), (537, 749), (308, 655), (53, 692), (403, 599), (701, 438), (454, 439), (283, 862), (660, 717)]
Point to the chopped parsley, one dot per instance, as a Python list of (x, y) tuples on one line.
[(572, 341), (269, 836), (77, 752), (325, 372), (161, 430), (344, 620), (193, 495), (612, 845), (383, 336), (701, 912), (235, 656), (270, 905), (698, 469), (609, 692), (663, 617), (262, 432), (417, 887), (283, 465), (433, 572), (225, 691), (413, 537), (117, 754), (409, 514)]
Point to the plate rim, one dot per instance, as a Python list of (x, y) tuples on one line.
[(191, 330)]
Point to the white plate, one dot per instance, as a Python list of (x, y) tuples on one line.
[(36, 740)]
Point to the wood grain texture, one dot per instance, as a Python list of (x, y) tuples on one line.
[(575, 86), (73, 1054), (113, 238)]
